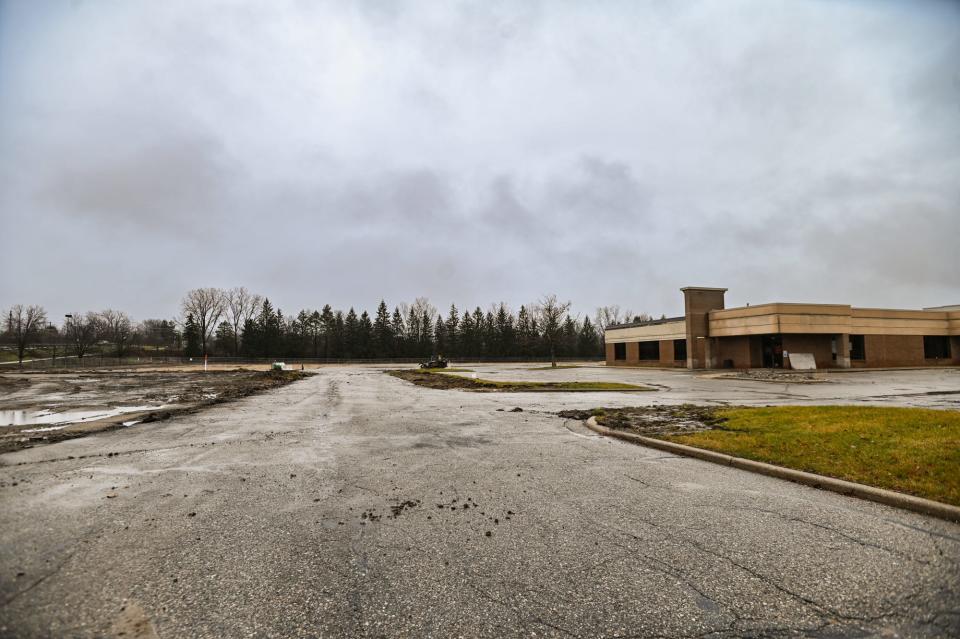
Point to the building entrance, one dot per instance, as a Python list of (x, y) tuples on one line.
[(772, 348)]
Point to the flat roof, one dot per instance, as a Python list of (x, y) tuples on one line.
[(665, 320)]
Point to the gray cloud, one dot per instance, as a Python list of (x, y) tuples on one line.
[(478, 151)]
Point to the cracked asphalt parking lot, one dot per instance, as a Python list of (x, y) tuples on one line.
[(355, 504)]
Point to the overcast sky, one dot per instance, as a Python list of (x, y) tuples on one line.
[(609, 152)]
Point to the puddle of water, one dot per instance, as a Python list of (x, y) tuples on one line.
[(43, 430), (47, 417)]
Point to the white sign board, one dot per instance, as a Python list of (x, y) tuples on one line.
[(803, 362)]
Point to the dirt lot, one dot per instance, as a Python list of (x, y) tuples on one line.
[(452, 381), (45, 407)]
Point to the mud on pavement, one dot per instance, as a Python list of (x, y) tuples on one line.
[(42, 408), (653, 420)]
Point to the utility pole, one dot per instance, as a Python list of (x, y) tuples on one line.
[(69, 318), (50, 331)]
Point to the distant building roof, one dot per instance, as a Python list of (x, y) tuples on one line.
[(665, 320)]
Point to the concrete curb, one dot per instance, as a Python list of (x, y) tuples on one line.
[(879, 495)]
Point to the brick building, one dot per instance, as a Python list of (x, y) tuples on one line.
[(837, 335)]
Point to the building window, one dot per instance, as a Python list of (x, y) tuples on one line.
[(650, 351), (619, 351), (936, 347), (680, 350), (858, 351)]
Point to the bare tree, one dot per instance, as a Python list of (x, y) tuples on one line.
[(24, 324), (240, 305), (207, 306), (116, 327), (550, 314), (610, 316), (420, 325), (81, 332)]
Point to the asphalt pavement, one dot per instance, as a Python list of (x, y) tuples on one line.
[(354, 504)]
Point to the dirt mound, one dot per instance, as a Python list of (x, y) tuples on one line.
[(653, 420)]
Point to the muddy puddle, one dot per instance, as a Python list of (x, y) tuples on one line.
[(54, 420), (43, 407)]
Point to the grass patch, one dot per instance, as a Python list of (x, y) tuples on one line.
[(456, 382), (910, 450), (445, 370)]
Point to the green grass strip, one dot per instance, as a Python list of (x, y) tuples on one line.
[(911, 450)]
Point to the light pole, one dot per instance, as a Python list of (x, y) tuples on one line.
[(69, 318), (51, 329)]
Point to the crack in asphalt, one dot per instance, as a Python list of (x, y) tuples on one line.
[(39, 581), (831, 529)]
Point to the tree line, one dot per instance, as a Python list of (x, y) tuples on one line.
[(236, 322)]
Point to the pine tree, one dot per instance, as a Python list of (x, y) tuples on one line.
[(364, 335), (413, 333), (426, 335), (382, 332), (439, 336), (314, 329), (468, 337), (327, 327), (250, 338), (568, 339), (350, 330), (398, 331), (525, 333), (223, 338), (503, 324), (480, 332), (337, 336), (191, 335), (588, 342), (451, 329)]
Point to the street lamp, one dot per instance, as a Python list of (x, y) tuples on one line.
[(52, 330), (69, 318)]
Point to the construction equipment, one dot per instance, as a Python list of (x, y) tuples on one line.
[(437, 362)]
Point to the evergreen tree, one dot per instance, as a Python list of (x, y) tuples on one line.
[(439, 336), (451, 329), (250, 338), (269, 330), (351, 327), (426, 335), (299, 340), (491, 337), (314, 330), (223, 338), (567, 346), (525, 333), (480, 333), (337, 333), (413, 333), (382, 332), (589, 340), (327, 327), (264, 320), (468, 336), (398, 331), (364, 335), (191, 336), (503, 324)]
